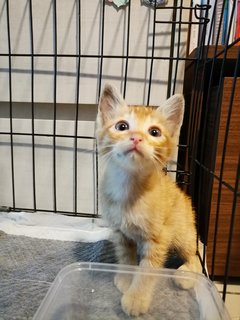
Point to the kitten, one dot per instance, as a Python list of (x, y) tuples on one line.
[(143, 206)]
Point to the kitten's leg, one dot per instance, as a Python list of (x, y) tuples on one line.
[(126, 254), (189, 253), (137, 299), (193, 264)]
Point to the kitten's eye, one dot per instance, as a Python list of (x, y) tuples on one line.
[(155, 132), (122, 126)]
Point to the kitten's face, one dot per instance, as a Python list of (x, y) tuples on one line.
[(134, 137)]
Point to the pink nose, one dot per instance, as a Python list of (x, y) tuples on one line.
[(136, 139)]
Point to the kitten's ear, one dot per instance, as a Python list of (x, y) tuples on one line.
[(173, 110), (110, 101)]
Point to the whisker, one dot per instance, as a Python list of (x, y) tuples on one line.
[(104, 159), (105, 156), (105, 149), (158, 156), (157, 161), (156, 166)]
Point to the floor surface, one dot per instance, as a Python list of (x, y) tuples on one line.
[(232, 299)]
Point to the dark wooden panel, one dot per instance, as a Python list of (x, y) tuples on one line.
[(229, 176), (211, 52)]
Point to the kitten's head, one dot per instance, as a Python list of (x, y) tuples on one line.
[(137, 137)]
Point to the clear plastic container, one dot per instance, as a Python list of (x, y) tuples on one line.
[(86, 291)]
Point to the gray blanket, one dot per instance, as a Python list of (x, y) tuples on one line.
[(28, 266)]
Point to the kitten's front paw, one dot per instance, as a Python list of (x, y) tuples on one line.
[(134, 304), (122, 281), (183, 282)]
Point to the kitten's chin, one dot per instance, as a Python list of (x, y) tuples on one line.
[(133, 153), (130, 156), (133, 161)]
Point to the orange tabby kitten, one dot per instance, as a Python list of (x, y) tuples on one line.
[(143, 206)]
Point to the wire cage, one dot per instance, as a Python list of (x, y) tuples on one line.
[(56, 68), (211, 132), (55, 58)]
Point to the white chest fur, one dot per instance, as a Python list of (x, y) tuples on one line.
[(121, 206), (117, 184)]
